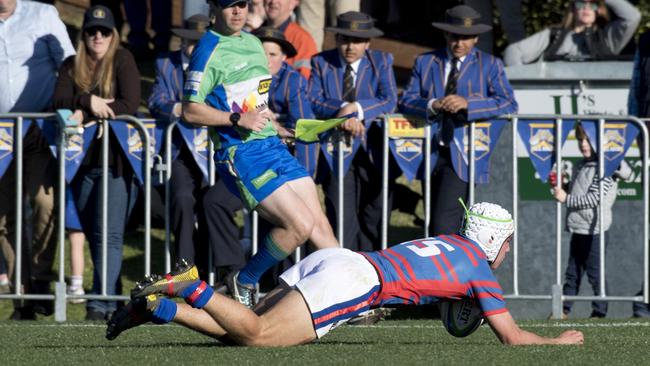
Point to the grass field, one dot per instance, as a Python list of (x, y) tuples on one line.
[(407, 342)]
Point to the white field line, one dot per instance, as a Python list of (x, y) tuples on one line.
[(380, 325)]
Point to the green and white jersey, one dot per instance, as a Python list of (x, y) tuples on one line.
[(230, 73)]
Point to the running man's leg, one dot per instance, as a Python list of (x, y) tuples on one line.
[(322, 235)]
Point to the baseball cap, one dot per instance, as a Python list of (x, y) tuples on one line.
[(98, 16)]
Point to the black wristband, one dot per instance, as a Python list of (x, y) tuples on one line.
[(234, 118)]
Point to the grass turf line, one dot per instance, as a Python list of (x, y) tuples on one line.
[(391, 342)]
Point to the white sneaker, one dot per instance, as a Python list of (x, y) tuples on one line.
[(76, 291)]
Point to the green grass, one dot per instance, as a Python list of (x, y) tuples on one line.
[(400, 342)]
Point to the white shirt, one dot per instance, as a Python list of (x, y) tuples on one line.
[(33, 44), (355, 71)]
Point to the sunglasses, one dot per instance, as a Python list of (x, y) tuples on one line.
[(583, 4), (93, 31)]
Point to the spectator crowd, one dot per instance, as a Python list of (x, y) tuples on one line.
[(280, 50)]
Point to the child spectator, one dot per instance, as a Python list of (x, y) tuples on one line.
[(583, 222)]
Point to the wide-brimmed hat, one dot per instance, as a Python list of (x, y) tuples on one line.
[(227, 3), (462, 20), (271, 34), (98, 16), (193, 27), (356, 24)]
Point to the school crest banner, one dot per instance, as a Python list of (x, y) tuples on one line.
[(618, 136), (539, 139), (486, 135), (7, 128), (133, 146), (197, 141), (406, 139), (329, 148)]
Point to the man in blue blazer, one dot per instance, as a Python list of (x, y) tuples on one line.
[(355, 80), (191, 198), (450, 87)]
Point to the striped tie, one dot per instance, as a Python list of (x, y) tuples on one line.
[(349, 91), (446, 133)]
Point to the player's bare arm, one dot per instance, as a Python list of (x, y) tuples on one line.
[(509, 333), (204, 115)]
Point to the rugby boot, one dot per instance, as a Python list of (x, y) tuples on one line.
[(243, 294), (135, 313), (171, 284)]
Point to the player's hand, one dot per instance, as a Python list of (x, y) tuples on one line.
[(99, 107), (347, 109), (571, 337), (559, 194), (453, 103), (354, 127), (255, 120)]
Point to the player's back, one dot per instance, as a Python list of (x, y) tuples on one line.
[(433, 269)]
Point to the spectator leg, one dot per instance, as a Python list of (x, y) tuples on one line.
[(311, 16), (185, 188), (350, 204), (579, 250), (161, 22), (446, 187), (592, 265)]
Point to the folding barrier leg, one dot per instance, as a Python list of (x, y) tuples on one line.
[(557, 301), (60, 302)]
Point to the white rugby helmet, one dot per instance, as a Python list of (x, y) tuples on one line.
[(489, 225)]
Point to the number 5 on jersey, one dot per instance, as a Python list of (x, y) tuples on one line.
[(431, 248)]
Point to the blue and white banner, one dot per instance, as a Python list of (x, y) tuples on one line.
[(76, 146), (406, 142), (486, 135), (7, 142), (130, 141), (618, 137), (539, 139), (329, 149), (197, 141), (307, 155)]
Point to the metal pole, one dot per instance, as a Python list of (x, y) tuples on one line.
[(601, 221), (341, 190), (646, 190), (60, 301), (213, 179), (18, 140), (168, 175), (104, 191), (515, 208), (472, 166), (427, 180), (384, 188), (557, 287)]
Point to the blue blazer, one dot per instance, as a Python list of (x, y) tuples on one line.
[(482, 82), (167, 89), (288, 96), (375, 84)]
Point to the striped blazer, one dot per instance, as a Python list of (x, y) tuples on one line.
[(482, 82), (288, 96), (167, 88), (375, 84)]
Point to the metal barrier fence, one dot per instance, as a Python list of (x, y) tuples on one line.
[(556, 295), (60, 296)]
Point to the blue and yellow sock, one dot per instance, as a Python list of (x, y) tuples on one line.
[(197, 294), (269, 255), (165, 311)]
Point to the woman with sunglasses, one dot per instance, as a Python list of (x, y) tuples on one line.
[(587, 32), (101, 82)]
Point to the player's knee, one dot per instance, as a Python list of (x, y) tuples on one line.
[(303, 227)]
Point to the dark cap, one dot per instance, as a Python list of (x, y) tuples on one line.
[(227, 3), (462, 20), (98, 16), (270, 34), (193, 27), (355, 24)]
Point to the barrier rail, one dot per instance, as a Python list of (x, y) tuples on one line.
[(556, 291), (60, 296)]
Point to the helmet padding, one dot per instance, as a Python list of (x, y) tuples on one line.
[(489, 225)]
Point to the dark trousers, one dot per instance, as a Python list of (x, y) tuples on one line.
[(136, 15), (213, 208), (361, 204), (446, 188), (584, 257)]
